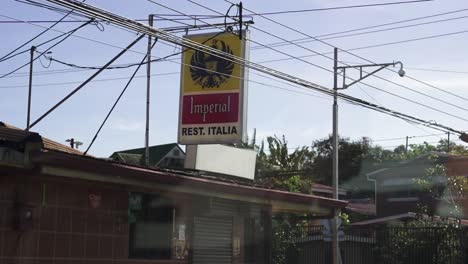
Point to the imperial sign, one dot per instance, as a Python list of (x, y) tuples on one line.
[(213, 92)]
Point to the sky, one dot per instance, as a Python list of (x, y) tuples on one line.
[(274, 107)]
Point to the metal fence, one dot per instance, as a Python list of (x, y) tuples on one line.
[(383, 245)]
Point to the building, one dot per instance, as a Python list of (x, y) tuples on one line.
[(162, 156), (60, 206), (398, 192)]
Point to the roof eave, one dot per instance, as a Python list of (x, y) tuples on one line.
[(110, 171)]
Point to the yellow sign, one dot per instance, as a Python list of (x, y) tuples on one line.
[(213, 100), (205, 73)]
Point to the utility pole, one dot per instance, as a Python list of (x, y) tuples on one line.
[(31, 62), (406, 148), (448, 142), (362, 76), (148, 87), (335, 244)]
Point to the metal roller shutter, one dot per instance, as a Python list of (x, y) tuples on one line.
[(223, 207), (212, 240)]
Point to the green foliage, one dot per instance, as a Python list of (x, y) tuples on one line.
[(286, 228), (433, 242), (345, 218), (283, 170), (437, 239)]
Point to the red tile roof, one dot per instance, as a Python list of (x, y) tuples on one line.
[(16, 134)]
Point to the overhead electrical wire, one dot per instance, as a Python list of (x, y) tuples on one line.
[(7, 56), (366, 32), (204, 16), (85, 68), (45, 72), (225, 56), (51, 8), (436, 70), (360, 57), (337, 8), (177, 30), (307, 39), (132, 25), (429, 143), (274, 60), (328, 69), (373, 46), (117, 100), (170, 73), (90, 78), (379, 103), (81, 21), (77, 82), (375, 76), (372, 86), (37, 46), (45, 51), (157, 59), (401, 138)]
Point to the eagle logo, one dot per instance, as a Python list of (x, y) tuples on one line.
[(210, 71)]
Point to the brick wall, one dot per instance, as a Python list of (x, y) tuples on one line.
[(64, 228)]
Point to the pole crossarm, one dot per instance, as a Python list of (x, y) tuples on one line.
[(362, 77)]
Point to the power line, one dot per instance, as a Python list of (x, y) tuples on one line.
[(124, 22), (411, 123), (203, 16), (131, 64), (361, 102), (52, 8), (372, 46), (429, 143), (436, 70), (360, 57), (336, 8), (81, 21), (117, 101), (374, 87), (37, 46), (114, 46), (328, 44), (86, 81), (274, 60), (93, 40), (401, 138), (351, 99), (307, 39), (97, 80), (44, 52), (363, 33), (5, 57)]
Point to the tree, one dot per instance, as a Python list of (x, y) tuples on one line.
[(355, 157), (284, 170)]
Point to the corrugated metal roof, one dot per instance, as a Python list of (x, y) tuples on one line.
[(156, 153)]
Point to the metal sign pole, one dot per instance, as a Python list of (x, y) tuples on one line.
[(31, 62), (148, 87)]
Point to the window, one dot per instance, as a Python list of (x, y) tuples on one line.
[(151, 219)]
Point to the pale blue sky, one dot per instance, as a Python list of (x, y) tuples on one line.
[(300, 117)]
